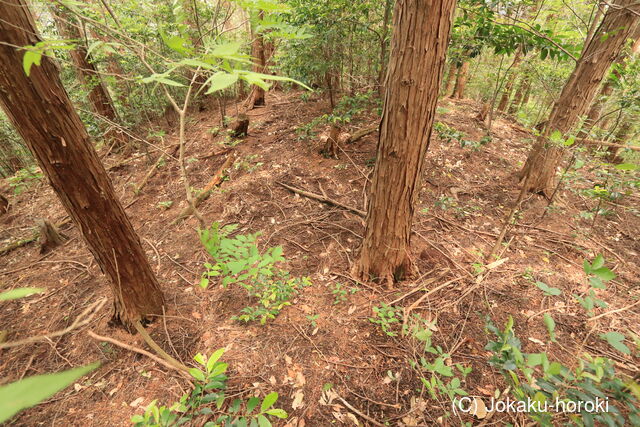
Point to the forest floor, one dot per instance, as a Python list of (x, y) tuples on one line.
[(465, 197)]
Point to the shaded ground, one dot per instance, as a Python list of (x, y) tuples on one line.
[(463, 202)]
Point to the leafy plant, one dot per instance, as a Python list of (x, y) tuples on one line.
[(23, 179), (238, 261), (597, 275), (533, 377), (340, 293), (386, 316), (208, 400)]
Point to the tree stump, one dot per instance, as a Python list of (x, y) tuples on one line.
[(331, 145), (240, 127), (49, 238)]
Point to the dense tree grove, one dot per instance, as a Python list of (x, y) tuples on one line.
[(385, 212)]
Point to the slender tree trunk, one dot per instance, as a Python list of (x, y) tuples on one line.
[(98, 95), (622, 136), (384, 46), (579, 91), (450, 81), (413, 81), (461, 80), (40, 109), (522, 93), (506, 94), (259, 65)]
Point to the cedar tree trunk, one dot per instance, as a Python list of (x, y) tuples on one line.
[(40, 109), (578, 92), (418, 50), (461, 81), (98, 95)]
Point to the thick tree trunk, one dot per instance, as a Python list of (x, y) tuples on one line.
[(593, 116), (578, 93), (461, 81), (450, 81), (418, 49), (98, 95), (259, 66), (506, 94), (41, 111)]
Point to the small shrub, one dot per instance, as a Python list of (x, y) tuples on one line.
[(237, 260), (207, 401)]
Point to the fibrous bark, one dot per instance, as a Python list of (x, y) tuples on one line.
[(40, 109), (418, 49), (578, 92), (88, 75), (461, 81)]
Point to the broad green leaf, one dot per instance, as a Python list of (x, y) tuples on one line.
[(30, 391), (252, 403), (220, 81), (263, 421), (199, 358), (604, 273), (280, 413), (268, 401), (30, 57), (214, 358), (597, 262), (615, 340), (226, 50), (548, 290), (197, 374), (627, 167), (534, 359), (551, 326), (20, 293), (176, 43)]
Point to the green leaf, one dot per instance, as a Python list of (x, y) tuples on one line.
[(280, 413), (268, 401), (226, 50), (220, 81), (176, 43), (30, 391), (597, 262), (263, 421), (604, 273), (615, 340), (627, 167), (548, 289), (551, 326), (252, 403), (20, 293), (30, 57), (214, 358), (197, 374)]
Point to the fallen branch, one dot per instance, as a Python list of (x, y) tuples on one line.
[(154, 169), (363, 415), (608, 144), (361, 134), (206, 192), (322, 199), (134, 349), (83, 319)]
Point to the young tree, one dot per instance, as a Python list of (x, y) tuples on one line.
[(42, 113), (578, 93), (418, 48)]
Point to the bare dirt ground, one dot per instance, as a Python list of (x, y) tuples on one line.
[(465, 197)]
